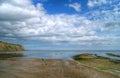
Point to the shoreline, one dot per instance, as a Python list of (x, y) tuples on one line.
[(49, 68)]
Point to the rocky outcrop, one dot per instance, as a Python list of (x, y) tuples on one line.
[(4, 46), (100, 62)]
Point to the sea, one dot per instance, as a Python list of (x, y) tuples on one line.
[(65, 54)]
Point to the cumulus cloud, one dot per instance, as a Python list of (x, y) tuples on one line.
[(75, 6), (15, 10), (92, 3), (25, 21)]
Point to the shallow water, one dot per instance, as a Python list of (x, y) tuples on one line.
[(64, 54)]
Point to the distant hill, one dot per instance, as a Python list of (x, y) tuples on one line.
[(4, 46)]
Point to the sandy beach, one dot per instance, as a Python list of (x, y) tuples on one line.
[(49, 68)]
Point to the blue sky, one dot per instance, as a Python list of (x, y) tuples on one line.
[(61, 24), (61, 6)]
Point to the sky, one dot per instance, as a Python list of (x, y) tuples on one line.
[(61, 24)]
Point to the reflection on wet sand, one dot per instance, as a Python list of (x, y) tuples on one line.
[(47, 68), (6, 55)]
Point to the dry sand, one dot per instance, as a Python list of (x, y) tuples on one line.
[(47, 68)]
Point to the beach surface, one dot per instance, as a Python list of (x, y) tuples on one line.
[(49, 68)]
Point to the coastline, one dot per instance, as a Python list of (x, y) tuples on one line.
[(49, 68)]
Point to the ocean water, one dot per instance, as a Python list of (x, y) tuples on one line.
[(67, 54), (64, 54)]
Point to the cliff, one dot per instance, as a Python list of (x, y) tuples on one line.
[(4, 46)]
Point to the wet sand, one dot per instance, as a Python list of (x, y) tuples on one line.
[(49, 68)]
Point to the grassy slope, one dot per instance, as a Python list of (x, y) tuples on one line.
[(4, 46)]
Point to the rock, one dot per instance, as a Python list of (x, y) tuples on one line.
[(100, 62), (84, 56), (114, 55)]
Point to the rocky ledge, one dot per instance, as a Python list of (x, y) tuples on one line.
[(100, 62)]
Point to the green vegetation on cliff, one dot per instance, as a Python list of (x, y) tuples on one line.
[(4, 46)]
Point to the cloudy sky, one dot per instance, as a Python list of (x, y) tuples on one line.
[(61, 24)]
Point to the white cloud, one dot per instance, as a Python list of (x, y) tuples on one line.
[(75, 6), (92, 3), (15, 10), (18, 20)]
